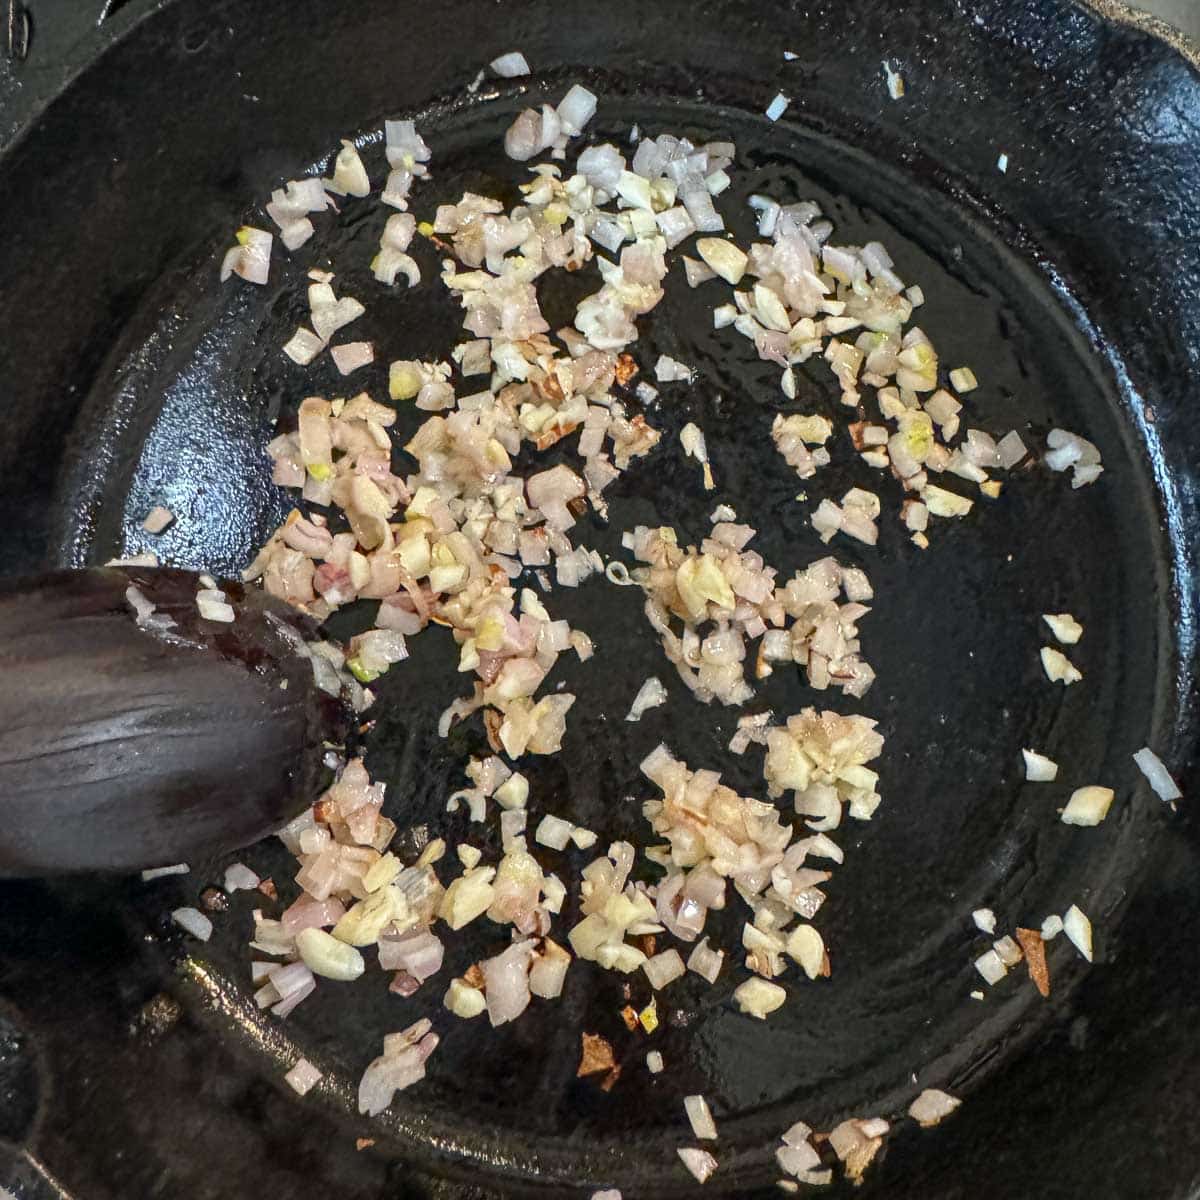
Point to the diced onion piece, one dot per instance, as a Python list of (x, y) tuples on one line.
[(991, 967), (549, 970), (327, 956), (662, 969), (635, 191), (705, 961), (157, 519), (349, 174), (1078, 930), (1157, 774), (805, 945), (1064, 627), (1059, 668), (699, 1162), (510, 65), (1007, 951), (1070, 451), (932, 1106), (512, 829), (1010, 450), (303, 346), (962, 379), (723, 257), (759, 997), (303, 1077), (513, 792), (668, 369), (463, 1000), (942, 503), (239, 878), (1052, 926), (194, 922), (1088, 806), (777, 107), (467, 897), (856, 1142), (212, 606), (651, 694), (1039, 768), (352, 355), (553, 832), (895, 81), (654, 1062), (159, 872), (506, 982), (250, 259), (984, 919), (576, 109), (701, 1118)]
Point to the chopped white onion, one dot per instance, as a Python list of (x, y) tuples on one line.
[(1157, 774), (1064, 627), (705, 961), (463, 1000), (303, 1077), (699, 1162), (651, 694), (157, 519), (1078, 930), (931, 1107), (1010, 450), (700, 1117), (349, 174), (194, 922), (1087, 806), (777, 107), (325, 955), (1059, 668), (669, 369), (984, 919), (303, 346), (663, 968), (576, 109), (250, 259), (759, 997), (159, 872), (1039, 768), (724, 258), (991, 966), (1007, 951), (239, 877), (506, 982), (553, 832), (805, 945), (510, 65)]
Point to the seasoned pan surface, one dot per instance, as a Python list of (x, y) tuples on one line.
[(157, 385)]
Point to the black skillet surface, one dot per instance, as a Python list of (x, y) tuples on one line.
[(134, 1064)]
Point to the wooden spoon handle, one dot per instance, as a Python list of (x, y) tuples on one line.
[(127, 744)]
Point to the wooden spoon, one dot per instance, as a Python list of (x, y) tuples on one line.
[(128, 743)]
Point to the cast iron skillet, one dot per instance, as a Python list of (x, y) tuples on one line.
[(133, 1064)]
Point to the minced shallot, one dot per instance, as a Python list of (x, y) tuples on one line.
[(449, 537), (1157, 774)]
